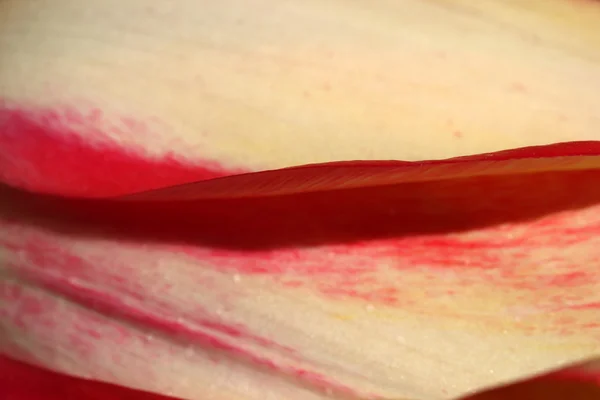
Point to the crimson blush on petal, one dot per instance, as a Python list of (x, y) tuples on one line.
[(19, 381)]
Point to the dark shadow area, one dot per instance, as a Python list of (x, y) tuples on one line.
[(338, 216)]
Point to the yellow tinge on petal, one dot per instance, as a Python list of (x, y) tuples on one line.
[(428, 288)]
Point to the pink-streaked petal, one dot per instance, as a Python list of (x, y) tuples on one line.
[(368, 280), (361, 292)]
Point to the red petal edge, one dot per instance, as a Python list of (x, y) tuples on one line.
[(20, 381), (25, 382), (578, 382), (355, 174)]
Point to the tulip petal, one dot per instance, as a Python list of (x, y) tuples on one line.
[(578, 382), (24, 382), (415, 285), (147, 257), (257, 86), (360, 174)]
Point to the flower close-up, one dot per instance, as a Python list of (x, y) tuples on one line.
[(299, 200)]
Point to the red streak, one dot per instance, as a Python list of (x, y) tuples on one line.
[(199, 328), (44, 151)]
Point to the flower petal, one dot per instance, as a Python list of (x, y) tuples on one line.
[(25, 382), (369, 280), (579, 382), (483, 278)]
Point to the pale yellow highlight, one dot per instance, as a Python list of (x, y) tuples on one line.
[(264, 84)]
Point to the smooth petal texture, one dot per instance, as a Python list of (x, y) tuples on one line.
[(353, 280), (426, 288), (264, 84)]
